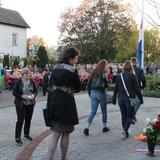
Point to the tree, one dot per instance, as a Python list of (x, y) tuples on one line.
[(6, 60), (25, 61), (127, 46), (16, 61), (151, 45), (42, 56), (95, 28)]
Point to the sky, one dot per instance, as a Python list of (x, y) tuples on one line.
[(43, 16), (151, 12)]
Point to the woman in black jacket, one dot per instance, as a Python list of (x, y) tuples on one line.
[(64, 81), (123, 99), (25, 92)]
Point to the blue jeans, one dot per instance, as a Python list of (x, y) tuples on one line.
[(126, 112), (136, 107), (98, 97)]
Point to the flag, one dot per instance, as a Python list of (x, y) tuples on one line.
[(140, 50)]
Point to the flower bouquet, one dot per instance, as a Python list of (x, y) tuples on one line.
[(152, 132)]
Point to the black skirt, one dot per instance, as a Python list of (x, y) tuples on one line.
[(61, 128)]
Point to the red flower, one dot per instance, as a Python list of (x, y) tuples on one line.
[(156, 124)]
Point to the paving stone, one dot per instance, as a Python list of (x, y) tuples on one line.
[(97, 146)]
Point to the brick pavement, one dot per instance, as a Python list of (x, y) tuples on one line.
[(103, 146), (97, 146)]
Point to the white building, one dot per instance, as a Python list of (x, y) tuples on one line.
[(13, 33)]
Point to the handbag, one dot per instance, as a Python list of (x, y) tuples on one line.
[(46, 117), (133, 101), (46, 113)]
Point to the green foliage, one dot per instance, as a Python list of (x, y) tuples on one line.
[(127, 46), (153, 82), (25, 60), (98, 31), (150, 133), (32, 59), (16, 61), (149, 93), (6, 60), (153, 86), (42, 56), (52, 61), (151, 45)]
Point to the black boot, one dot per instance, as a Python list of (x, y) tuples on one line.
[(127, 134), (86, 131), (105, 129)]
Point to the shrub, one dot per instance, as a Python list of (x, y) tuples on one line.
[(153, 82), (148, 93), (153, 86)]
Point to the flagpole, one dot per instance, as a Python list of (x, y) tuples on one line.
[(142, 34)]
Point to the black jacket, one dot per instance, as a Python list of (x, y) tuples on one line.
[(131, 85), (18, 91), (97, 83), (46, 79), (61, 104), (140, 77)]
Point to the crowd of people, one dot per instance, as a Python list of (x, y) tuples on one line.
[(41, 78), (61, 81)]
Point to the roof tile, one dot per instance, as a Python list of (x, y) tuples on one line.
[(12, 17)]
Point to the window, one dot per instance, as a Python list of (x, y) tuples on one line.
[(14, 39)]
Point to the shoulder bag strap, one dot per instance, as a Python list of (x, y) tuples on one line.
[(124, 85)]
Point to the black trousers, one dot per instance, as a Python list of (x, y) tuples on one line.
[(45, 89), (24, 113)]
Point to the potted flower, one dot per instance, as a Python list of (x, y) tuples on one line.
[(152, 131)]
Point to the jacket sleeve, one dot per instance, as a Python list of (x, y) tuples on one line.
[(137, 89), (115, 91), (142, 79), (89, 86), (16, 90), (76, 82), (35, 91), (105, 79)]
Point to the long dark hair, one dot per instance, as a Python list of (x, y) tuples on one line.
[(99, 68), (69, 53)]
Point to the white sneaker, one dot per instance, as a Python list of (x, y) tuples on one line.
[(124, 136)]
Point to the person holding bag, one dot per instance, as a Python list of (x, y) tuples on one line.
[(126, 87), (96, 89), (62, 111)]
